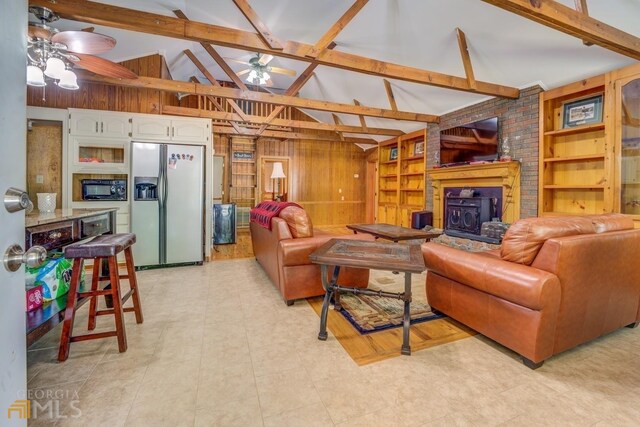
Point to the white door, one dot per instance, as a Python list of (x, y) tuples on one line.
[(115, 125), (150, 128), (185, 197), (85, 123), (13, 128), (189, 130), (218, 171)]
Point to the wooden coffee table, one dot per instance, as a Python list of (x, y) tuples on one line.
[(371, 255), (391, 232)]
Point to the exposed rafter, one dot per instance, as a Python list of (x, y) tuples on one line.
[(226, 92), (466, 58), (260, 120), (569, 21), (581, 6), (256, 22), (215, 102), (335, 29), (392, 99), (338, 122), (145, 22), (292, 135), (363, 122)]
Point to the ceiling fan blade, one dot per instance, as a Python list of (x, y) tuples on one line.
[(265, 59), (84, 41), (240, 73), (238, 61), (286, 71), (102, 66), (38, 31)]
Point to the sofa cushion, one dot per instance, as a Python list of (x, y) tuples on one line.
[(611, 222), (298, 221), (523, 240)]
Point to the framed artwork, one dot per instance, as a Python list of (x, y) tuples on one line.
[(418, 148), (393, 153), (582, 111)]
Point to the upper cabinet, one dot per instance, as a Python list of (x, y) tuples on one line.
[(162, 128), (103, 124)]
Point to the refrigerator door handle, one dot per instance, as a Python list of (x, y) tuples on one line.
[(162, 183)]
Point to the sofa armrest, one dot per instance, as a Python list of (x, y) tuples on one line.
[(517, 283), (297, 251)]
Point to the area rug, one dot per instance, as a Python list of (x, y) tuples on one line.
[(366, 348)]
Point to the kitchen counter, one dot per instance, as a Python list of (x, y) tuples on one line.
[(41, 218)]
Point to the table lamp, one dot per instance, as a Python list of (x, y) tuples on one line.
[(276, 176)]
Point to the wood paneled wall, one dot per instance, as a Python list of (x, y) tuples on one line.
[(104, 97), (44, 158), (319, 171)]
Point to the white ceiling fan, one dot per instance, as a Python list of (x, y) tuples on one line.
[(259, 69)]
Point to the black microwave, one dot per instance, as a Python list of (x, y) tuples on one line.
[(104, 189)]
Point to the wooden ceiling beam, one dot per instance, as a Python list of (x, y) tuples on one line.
[(466, 58), (581, 6), (216, 104), (338, 122), (392, 99), (569, 21), (363, 122), (256, 22), (213, 80), (226, 130), (216, 57), (259, 120), (227, 92), (152, 23), (293, 90), (335, 29)]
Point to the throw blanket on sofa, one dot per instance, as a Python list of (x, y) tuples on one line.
[(264, 211)]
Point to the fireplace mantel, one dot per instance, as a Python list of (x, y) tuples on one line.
[(498, 174)]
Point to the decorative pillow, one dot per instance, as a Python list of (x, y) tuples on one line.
[(298, 221), (525, 237)]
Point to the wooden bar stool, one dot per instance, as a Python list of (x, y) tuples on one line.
[(106, 246)]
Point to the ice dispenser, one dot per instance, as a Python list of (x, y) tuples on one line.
[(146, 188)]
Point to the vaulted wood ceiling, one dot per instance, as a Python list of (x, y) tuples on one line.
[(402, 62)]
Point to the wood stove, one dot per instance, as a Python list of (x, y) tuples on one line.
[(465, 215)]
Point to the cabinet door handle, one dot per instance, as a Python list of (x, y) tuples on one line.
[(96, 127), (101, 127), (167, 130), (173, 132)]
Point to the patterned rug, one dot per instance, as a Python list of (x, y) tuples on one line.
[(369, 313)]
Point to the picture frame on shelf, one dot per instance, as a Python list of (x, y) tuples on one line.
[(582, 111), (418, 148), (393, 153)]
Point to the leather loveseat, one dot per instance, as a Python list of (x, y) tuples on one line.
[(555, 283), (283, 252)]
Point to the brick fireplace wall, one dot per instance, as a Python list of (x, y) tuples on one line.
[(518, 120)]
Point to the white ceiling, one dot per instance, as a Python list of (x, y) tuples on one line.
[(505, 49)]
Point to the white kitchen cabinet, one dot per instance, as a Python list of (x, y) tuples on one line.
[(99, 155), (162, 128), (97, 123)]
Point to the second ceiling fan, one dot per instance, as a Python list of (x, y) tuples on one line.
[(259, 69)]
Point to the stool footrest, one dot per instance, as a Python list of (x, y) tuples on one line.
[(93, 336), (94, 293)]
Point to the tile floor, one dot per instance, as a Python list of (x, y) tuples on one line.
[(219, 347)]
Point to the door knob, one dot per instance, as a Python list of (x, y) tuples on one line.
[(34, 257), (16, 200)]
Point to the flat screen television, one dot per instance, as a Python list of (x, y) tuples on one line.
[(477, 141)]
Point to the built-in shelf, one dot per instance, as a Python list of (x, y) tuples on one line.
[(575, 130), (389, 176), (243, 161), (412, 174), (419, 157), (388, 190), (243, 186), (574, 187), (412, 189), (388, 162), (414, 207), (244, 173), (575, 158)]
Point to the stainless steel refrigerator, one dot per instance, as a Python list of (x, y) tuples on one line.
[(167, 208)]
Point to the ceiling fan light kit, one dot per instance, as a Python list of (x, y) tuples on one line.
[(52, 54)]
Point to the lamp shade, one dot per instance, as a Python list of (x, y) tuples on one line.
[(34, 76), (278, 172), (68, 80), (55, 68)]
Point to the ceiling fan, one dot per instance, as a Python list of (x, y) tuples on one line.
[(259, 69), (52, 53)]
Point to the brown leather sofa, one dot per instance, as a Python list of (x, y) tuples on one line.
[(555, 283), (283, 252)]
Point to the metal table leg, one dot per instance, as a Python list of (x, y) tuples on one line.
[(329, 289), (406, 347)]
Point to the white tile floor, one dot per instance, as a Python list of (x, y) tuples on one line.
[(219, 347)]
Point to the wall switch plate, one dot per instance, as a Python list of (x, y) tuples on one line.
[(39, 179)]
